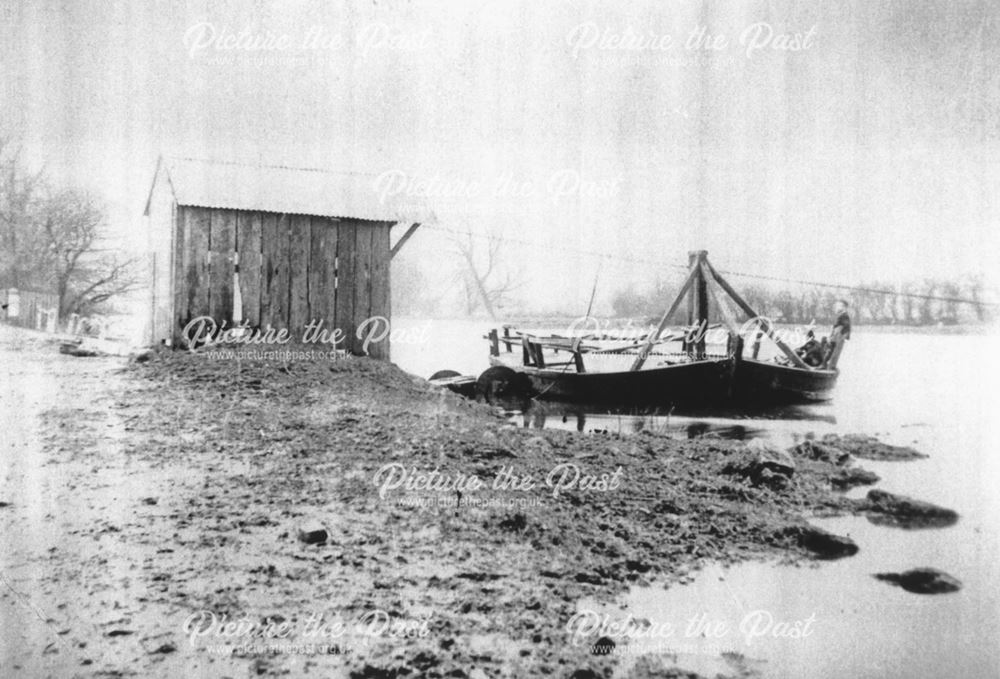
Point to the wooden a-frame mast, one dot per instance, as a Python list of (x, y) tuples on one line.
[(696, 288)]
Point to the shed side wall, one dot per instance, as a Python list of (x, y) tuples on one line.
[(161, 225), (293, 271)]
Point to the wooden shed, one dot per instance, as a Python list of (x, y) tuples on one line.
[(270, 247)]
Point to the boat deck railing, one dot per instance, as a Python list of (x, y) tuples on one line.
[(589, 355)]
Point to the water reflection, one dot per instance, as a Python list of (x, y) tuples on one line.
[(911, 522), (725, 424)]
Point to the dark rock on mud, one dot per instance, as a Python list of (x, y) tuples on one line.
[(776, 461), (824, 452), (312, 533), (870, 448), (826, 545), (853, 476), (770, 479), (637, 566), (769, 468), (589, 578), (603, 646), (74, 349), (923, 581), (516, 522), (887, 508), (373, 672)]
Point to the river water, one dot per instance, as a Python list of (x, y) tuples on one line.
[(934, 392)]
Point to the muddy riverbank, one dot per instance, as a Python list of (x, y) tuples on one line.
[(187, 492)]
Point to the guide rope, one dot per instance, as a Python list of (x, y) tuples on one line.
[(727, 272)]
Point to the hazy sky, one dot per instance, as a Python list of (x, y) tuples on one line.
[(871, 151)]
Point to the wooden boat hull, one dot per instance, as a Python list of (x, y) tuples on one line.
[(767, 382), (683, 384), (701, 383)]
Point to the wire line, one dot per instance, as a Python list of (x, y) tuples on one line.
[(737, 274)]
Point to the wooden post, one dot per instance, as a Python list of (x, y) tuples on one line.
[(700, 296), (506, 336), (685, 344), (402, 241), (537, 351), (494, 343)]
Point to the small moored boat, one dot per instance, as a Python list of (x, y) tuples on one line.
[(651, 372)]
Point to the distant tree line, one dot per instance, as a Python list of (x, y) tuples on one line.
[(925, 302)]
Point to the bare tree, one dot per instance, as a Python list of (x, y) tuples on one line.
[(906, 291), (50, 240), (929, 289), (20, 194), (482, 276), (83, 274), (974, 285)]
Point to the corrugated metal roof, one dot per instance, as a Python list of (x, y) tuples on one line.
[(288, 190)]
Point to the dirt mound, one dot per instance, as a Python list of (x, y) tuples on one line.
[(293, 372), (290, 363)]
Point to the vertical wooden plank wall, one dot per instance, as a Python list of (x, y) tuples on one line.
[(275, 282), (298, 274), (197, 277), (181, 264), (268, 245), (248, 246), (380, 286), (346, 274), (362, 283), (222, 248), (293, 269), (323, 272)]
